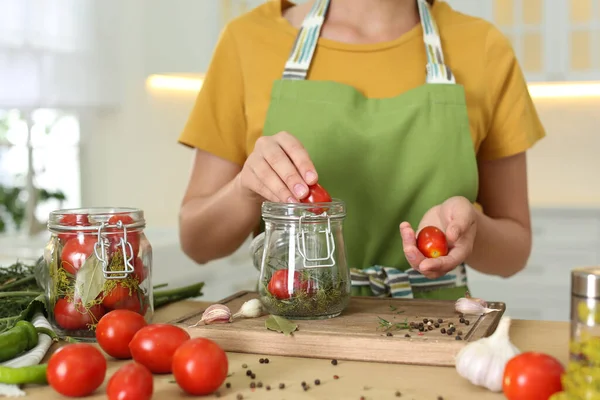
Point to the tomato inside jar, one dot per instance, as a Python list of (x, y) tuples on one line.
[(97, 260)]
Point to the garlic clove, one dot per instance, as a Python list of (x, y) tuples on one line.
[(472, 306), (215, 314), (250, 309)]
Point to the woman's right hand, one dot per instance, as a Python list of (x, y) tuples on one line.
[(279, 169)]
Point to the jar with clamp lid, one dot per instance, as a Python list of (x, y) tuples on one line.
[(96, 260), (302, 258)]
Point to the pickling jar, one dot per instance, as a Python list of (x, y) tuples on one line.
[(302, 260), (96, 260)]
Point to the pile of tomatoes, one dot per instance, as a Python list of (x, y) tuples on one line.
[(198, 365)]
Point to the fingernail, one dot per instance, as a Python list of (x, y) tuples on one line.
[(291, 200), (299, 190), (310, 176)]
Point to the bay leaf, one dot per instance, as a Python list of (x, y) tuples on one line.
[(90, 280), (280, 324)]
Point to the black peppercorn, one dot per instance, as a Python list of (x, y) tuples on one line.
[(398, 394), (436, 325), (461, 315), (305, 388), (443, 330), (248, 373), (430, 327), (303, 383), (239, 396), (389, 334), (317, 382), (333, 362), (420, 324), (259, 385), (252, 385), (261, 360), (458, 338), (462, 320), (440, 320), (253, 376), (217, 394), (421, 328), (449, 332), (407, 335), (425, 320), (467, 322), (228, 385), (268, 387), (440, 398), (459, 333), (266, 360), (281, 386)]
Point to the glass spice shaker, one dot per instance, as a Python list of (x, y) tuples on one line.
[(303, 268), (96, 260)]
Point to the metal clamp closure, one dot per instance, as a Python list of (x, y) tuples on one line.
[(100, 250), (329, 260)]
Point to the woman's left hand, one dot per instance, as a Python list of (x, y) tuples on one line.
[(457, 218)]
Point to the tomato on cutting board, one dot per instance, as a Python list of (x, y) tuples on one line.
[(200, 366), (115, 331), (76, 251), (432, 242), (316, 194), (154, 345), (532, 376), (278, 285), (73, 315), (132, 381), (76, 370)]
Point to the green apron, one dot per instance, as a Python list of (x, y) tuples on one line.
[(390, 160)]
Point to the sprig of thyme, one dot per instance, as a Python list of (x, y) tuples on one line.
[(388, 326)]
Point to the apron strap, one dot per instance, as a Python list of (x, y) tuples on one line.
[(300, 58)]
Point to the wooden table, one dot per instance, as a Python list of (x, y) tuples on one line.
[(356, 379)]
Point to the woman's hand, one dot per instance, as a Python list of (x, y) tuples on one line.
[(279, 169), (457, 218)]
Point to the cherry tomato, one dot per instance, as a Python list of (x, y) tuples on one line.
[(73, 316), (72, 220), (115, 331), (76, 251), (532, 376), (278, 285), (200, 366), (139, 271), (154, 345), (317, 194), (121, 297), (115, 238), (432, 242), (76, 370), (132, 381)]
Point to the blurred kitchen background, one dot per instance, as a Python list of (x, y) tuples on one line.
[(94, 93)]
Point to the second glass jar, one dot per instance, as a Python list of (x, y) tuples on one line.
[(96, 260), (303, 268)]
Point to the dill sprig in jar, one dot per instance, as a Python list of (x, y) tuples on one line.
[(303, 268), (97, 260)]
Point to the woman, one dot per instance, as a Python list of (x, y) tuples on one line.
[(407, 110)]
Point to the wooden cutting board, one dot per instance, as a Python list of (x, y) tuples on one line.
[(357, 334)]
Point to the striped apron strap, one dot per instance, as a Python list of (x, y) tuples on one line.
[(383, 281), (437, 70), (298, 63)]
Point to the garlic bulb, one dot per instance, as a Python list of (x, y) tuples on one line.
[(250, 309), (472, 306), (482, 362)]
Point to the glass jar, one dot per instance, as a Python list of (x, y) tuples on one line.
[(303, 268), (582, 378), (96, 260)]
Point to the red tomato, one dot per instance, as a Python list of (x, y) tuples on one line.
[(76, 251), (200, 366), (139, 270), (132, 381), (72, 317), (115, 238), (76, 370), (317, 194), (154, 345), (432, 242), (72, 220), (278, 285), (121, 297), (116, 329), (532, 376)]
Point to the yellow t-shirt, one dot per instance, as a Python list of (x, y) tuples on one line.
[(230, 110)]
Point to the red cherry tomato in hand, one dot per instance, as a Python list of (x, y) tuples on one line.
[(154, 345), (532, 376), (133, 238), (121, 297), (132, 381), (316, 194), (200, 366), (115, 331), (278, 285), (74, 316), (72, 220), (432, 242), (76, 370), (76, 251)]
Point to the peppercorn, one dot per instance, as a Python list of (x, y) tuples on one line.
[(421, 328), (336, 377), (239, 396), (261, 360), (228, 385), (459, 333), (436, 325), (458, 337), (443, 330), (244, 365), (305, 388), (268, 387), (407, 335), (252, 385), (333, 362), (217, 394), (461, 315), (467, 322), (248, 373), (259, 385), (462, 320), (430, 327), (362, 397), (449, 332), (266, 360), (281, 386), (440, 398), (440, 320), (317, 382), (389, 334), (398, 394), (303, 383), (420, 324), (253, 376), (425, 320)]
